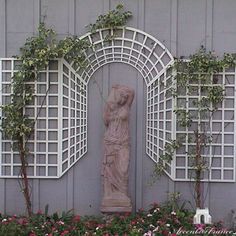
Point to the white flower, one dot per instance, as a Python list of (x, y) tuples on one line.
[(60, 222), (149, 215), (156, 210), (168, 225), (4, 220), (151, 226), (97, 228), (156, 229), (149, 233), (173, 213)]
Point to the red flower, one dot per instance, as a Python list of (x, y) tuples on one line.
[(165, 233), (32, 234), (76, 218), (127, 214), (133, 222), (141, 210), (65, 232)]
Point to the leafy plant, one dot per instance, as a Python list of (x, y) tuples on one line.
[(112, 19), (35, 56), (196, 76), (161, 219)]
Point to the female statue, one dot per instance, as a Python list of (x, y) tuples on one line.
[(116, 150)]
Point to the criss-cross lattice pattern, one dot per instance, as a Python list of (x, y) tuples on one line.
[(74, 117), (219, 151), (43, 144), (126, 45), (60, 107), (159, 117)]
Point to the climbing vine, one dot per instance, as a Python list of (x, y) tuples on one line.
[(196, 76), (35, 56), (113, 19)]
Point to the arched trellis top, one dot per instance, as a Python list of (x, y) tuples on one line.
[(126, 45)]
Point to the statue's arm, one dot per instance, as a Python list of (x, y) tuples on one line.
[(130, 97), (106, 115)]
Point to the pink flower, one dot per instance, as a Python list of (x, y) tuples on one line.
[(76, 218), (200, 226), (22, 221)]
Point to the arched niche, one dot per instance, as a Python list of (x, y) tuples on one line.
[(152, 60)]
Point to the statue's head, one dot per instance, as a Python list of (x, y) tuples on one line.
[(121, 94), (118, 96)]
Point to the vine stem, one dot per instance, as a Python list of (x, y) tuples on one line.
[(24, 176), (198, 170)]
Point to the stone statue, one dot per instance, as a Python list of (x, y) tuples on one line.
[(116, 150)]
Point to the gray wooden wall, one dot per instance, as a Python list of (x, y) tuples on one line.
[(182, 26)]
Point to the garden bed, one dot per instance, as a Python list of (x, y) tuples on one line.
[(159, 220)]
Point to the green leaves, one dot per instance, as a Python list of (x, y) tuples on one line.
[(35, 55), (112, 19)]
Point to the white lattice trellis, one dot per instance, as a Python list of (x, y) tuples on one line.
[(151, 59), (60, 134), (60, 105), (219, 153), (60, 137)]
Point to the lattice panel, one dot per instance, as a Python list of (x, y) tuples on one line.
[(159, 117), (60, 105), (43, 144), (60, 134), (74, 117), (219, 155)]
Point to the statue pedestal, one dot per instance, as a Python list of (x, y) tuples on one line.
[(115, 209), (113, 205)]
